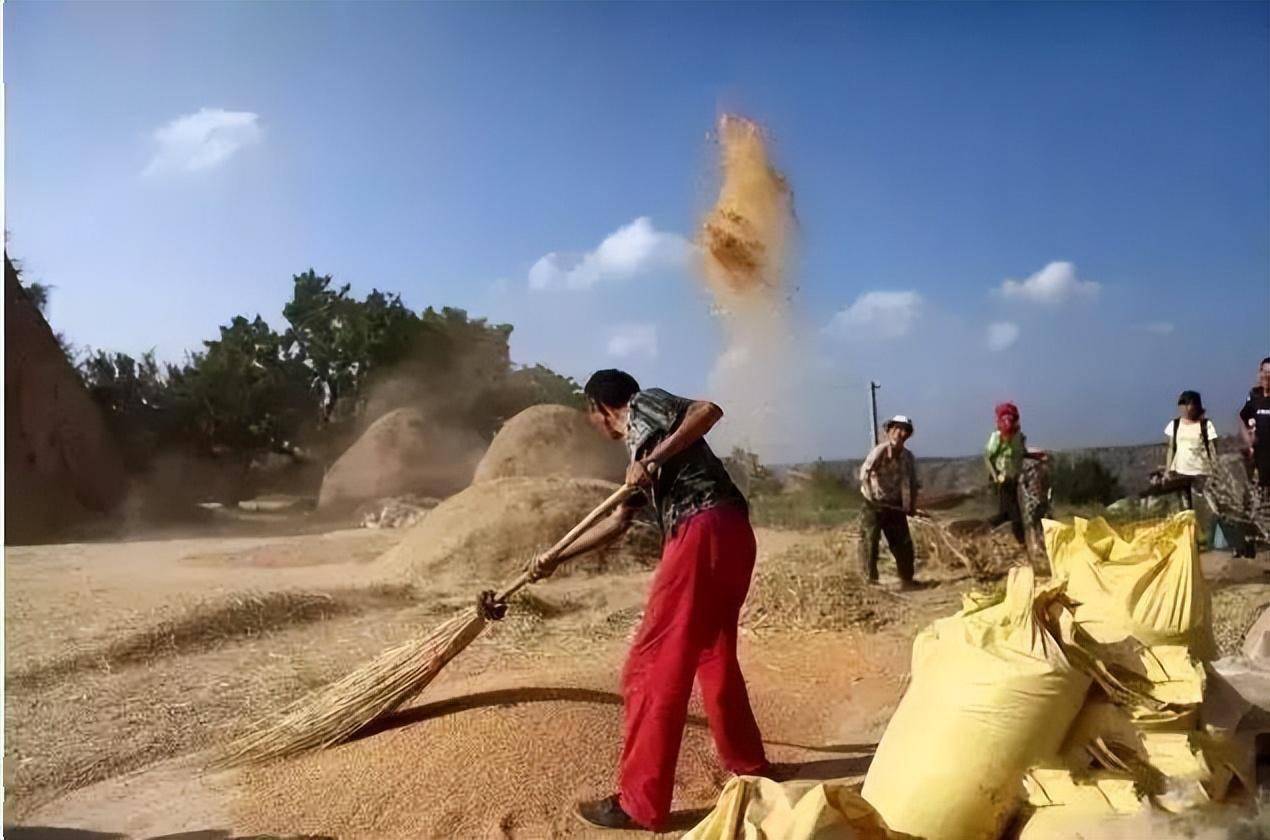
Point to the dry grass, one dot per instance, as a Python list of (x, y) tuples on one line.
[(211, 624), (962, 546), (175, 686), (809, 588), (95, 724)]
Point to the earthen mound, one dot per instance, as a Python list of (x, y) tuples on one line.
[(490, 530), (547, 440), (61, 465)]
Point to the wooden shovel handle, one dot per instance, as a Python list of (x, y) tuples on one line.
[(602, 510)]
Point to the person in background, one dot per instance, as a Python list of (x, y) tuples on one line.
[(1192, 443), (1254, 428), (887, 472), (1004, 455)]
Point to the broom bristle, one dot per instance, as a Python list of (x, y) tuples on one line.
[(341, 709)]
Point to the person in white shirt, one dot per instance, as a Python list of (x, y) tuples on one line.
[(888, 482), (1192, 446)]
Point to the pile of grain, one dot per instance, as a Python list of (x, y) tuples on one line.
[(504, 763), (491, 530), (1236, 608), (548, 440), (401, 453)]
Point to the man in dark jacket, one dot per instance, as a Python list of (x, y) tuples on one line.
[(1254, 426)]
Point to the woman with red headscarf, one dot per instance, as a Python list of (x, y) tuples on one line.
[(1004, 454)]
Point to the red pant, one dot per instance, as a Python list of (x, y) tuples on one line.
[(689, 628)]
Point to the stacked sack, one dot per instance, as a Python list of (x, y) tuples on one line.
[(754, 808), (1041, 711), (993, 692), (1143, 630)]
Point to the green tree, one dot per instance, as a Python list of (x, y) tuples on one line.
[(341, 340), (517, 389), (243, 394), (134, 398), (339, 360)]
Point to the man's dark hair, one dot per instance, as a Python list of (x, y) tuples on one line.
[(1191, 398), (1265, 361), (611, 388)]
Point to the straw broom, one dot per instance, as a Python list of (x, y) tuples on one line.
[(334, 713)]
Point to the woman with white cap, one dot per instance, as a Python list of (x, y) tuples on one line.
[(888, 480)]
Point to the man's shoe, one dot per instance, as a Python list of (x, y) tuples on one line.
[(605, 813), (872, 582), (911, 585)]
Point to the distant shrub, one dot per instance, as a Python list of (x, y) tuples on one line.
[(1082, 481), (819, 499)]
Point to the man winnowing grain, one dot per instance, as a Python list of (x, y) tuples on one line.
[(689, 629)]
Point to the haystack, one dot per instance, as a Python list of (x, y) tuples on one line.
[(489, 531), (548, 440), (61, 464), (399, 454)]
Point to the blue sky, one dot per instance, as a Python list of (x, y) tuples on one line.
[(172, 165)]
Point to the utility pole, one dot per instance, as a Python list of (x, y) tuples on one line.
[(873, 410)]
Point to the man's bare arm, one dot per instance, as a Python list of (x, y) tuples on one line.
[(608, 531), (699, 419), (605, 533)]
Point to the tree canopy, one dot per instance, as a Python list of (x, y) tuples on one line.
[(340, 363)]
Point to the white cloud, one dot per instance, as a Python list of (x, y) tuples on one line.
[(634, 249), (1055, 284), (1156, 328), (202, 140), (629, 340), (877, 315), (1002, 334)]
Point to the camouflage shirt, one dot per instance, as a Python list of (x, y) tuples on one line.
[(691, 481)]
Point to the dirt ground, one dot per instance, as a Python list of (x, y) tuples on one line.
[(127, 663)]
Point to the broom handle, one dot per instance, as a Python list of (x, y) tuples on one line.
[(605, 507)]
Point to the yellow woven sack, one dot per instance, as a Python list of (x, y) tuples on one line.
[(1148, 588), (992, 694), (1065, 807), (753, 808)]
